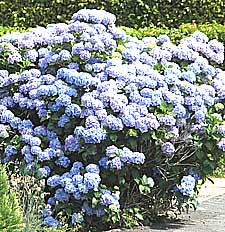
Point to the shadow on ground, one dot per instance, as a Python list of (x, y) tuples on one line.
[(170, 225)]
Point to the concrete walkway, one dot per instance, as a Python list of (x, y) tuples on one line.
[(210, 190), (209, 217)]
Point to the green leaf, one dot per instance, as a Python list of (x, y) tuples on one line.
[(135, 173), (132, 132), (208, 167), (122, 181), (51, 126), (137, 180), (209, 145), (163, 106), (153, 135), (94, 202), (145, 180), (43, 119), (97, 194), (200, 155), (113, 137), (139, 216), (133, 143), (144, 189)]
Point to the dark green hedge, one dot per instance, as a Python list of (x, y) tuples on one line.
[(8, 29), (132, 13)]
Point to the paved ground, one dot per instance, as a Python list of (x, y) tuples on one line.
[(209, 217), (210, 190)]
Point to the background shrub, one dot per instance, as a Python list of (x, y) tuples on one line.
[(8, 29), (29, 13), (213, 30)]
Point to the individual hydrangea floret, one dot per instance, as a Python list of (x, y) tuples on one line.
[(46, 212), (114, 123), (103, 162), (117, 158), (111, 150), (115, 163), (93, 135), (168, 120), (96, 16), (63, 161), (51, 201), (92, 122), (173, 133), (32, 55), (193, 173), (72, 143), (77, 166), (221, 129), (87, 209)]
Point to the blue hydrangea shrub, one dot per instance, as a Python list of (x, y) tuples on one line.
[(121, 129)]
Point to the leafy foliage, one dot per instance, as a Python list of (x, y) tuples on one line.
[(129, 13), (11, 218), (213, 30), (7, 29)]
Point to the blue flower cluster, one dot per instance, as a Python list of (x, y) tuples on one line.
[(187, 185), (168, 148), (116, 158), (87, 80), (108, 198)]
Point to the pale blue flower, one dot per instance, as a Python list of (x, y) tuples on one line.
[(168, 148), (187, 185)]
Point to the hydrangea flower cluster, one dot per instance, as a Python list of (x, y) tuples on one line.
[(75, 183), (168, 148), (85, 86), (116, 158), (187, 185)]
